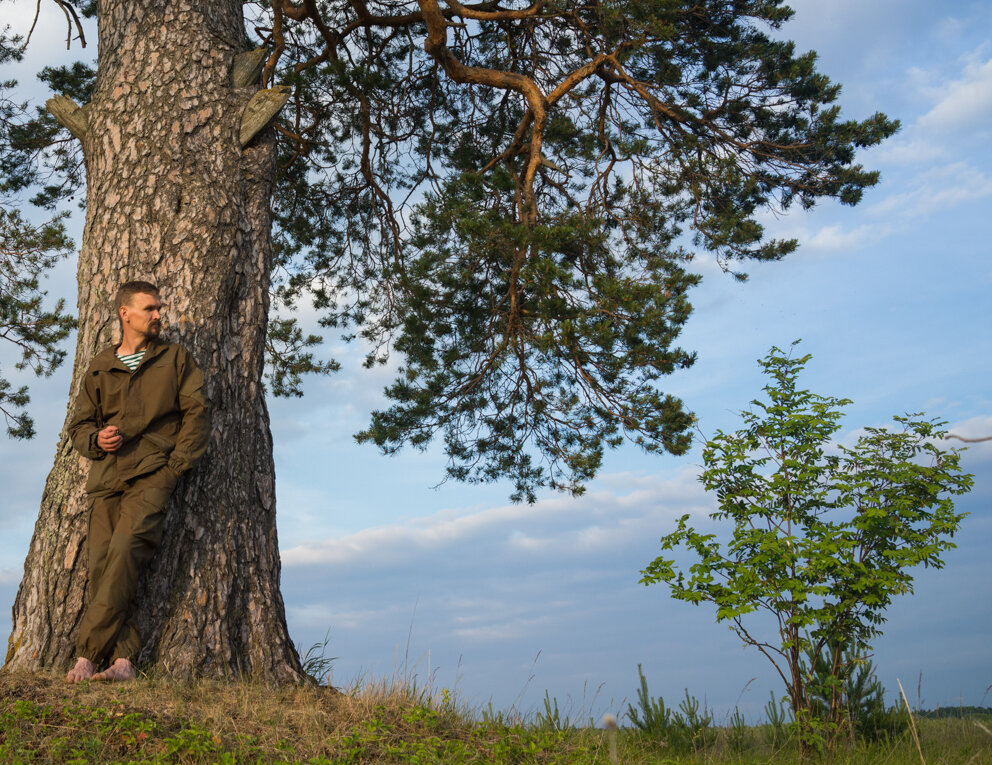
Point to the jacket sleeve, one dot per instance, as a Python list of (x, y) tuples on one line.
[(195, 429), (83, 426)]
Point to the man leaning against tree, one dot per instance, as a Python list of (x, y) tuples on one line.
[(142, 418)]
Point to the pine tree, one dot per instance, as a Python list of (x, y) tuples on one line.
[(506, 195)]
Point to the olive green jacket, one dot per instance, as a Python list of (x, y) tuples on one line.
[(160, 409)]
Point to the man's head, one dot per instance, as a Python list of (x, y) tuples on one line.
[(138, 308)]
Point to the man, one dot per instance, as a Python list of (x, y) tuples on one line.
[(142, 417)]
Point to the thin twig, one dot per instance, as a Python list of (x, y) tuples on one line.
[(968, 440), (37, 12)]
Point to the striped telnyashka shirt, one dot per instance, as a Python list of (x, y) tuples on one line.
[(132, 360)]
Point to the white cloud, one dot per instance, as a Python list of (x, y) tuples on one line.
[(621, 508), (965, 103), (939, 188), (957, 103), (837, 238), (505, 629), (319, 615), (962, 102), (10, 575), (906, 150), (833, 237), (975, 427)]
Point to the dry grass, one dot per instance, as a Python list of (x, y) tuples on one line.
[(42, 719)]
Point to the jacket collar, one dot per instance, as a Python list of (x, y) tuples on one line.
[(107, 359)]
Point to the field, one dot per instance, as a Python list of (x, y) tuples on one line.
[(42, 720)]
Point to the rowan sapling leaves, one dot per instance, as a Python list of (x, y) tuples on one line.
[(822, 535)]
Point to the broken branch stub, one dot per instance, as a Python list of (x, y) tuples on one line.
[(69, 115), (247, 67), (262, 107)]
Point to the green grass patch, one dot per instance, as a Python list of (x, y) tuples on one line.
[(44, 720)]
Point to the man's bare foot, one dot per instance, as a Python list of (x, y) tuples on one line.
[(84, 670), (119, 672)]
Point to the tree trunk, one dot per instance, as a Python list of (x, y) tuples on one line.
[(173, 198)]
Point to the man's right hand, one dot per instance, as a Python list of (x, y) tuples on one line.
[(109, 439)]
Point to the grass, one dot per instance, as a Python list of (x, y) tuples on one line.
[(43, 720)]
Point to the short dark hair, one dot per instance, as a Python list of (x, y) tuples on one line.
[(129, 289)]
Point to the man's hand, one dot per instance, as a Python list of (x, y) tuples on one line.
[(109, 439)]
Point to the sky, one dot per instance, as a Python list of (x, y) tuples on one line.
[(456, 588)]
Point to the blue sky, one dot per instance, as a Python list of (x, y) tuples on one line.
[(500, 602)]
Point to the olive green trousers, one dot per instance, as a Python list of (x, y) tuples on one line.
[(125, 529)]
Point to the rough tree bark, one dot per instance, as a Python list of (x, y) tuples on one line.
[(173, 198)]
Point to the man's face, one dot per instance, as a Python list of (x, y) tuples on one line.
[(143, 315)]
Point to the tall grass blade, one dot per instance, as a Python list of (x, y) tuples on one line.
[(912, 722)]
